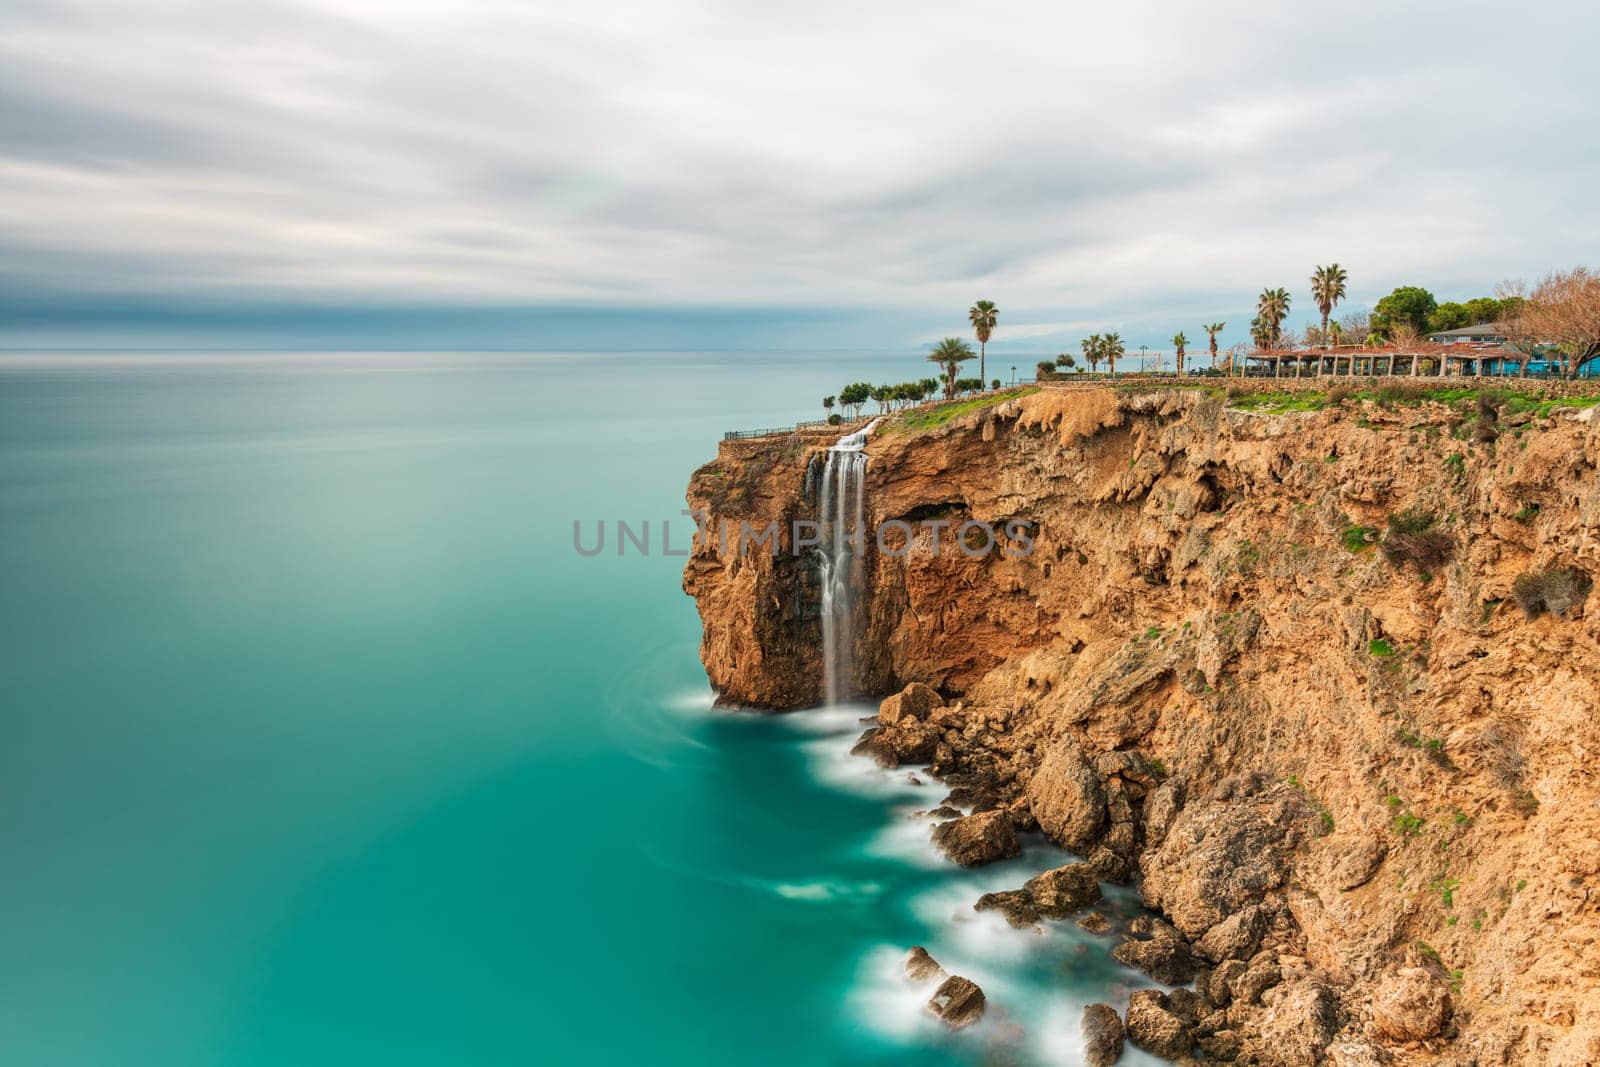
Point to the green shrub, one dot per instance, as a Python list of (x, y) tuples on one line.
[(1556, 590), (1526, 513), (1380, 646), (1358, 538)]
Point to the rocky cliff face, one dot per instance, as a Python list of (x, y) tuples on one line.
[(1323, 682)]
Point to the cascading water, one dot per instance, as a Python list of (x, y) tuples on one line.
[(841, 511)]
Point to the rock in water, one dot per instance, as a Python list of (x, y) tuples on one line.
[(1059, 893), (1014, 904), (921, 967), (1154, 1027), (1102, 1035), (958, 1001), (1410, 1005), (1067, 797), (1095, 923), (978, 839), (914, 702)]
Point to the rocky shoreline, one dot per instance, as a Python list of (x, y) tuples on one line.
[(1217, 874), (1277, 671)]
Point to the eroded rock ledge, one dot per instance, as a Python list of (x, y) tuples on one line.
[(1271, 668)]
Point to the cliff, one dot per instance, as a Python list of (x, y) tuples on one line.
[(1312, 666)]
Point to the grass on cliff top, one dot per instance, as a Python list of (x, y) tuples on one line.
[(939, 414), (1401, 393)]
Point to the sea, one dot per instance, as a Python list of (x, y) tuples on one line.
[(322, 744)]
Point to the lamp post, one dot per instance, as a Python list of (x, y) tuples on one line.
[(1013, 376), (1141, 359)]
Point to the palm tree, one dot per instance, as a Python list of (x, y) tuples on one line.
[(1111, 348), (950, 354), (1327, 289), (982, 315), (1093, 349), (1211, 333), (1272, 307), (1179, 342)]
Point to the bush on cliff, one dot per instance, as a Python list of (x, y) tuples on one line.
[(1557, 591)]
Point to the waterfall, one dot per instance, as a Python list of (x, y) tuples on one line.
[(842, 515)]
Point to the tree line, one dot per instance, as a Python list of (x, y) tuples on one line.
[(1560, 315)]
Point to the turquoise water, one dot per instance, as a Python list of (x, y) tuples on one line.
[(321, 745)]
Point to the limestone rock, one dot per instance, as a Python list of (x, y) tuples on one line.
[(1015, 904), (1154, 1027), (1102, 1035), (1059, 893), (1067, 797), (1352, 860), (1410, 1005), (915, 701), (1221, 856), (975, 840), (1235, 938), (1300, 1020), (958, 1002), (1158, 951), (921, 967), (908, 741), (1095, 923)]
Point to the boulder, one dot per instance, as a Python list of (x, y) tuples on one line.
[(1154, 1027), (1015, 904), (1260, 975), (921, 967), (1158, 951), (1410, 1005), (1161, 809), (1102, 1035), (1222, 855), (1095, 923), (1300, 1020), (1220, 983), (1235, 938), (1352, 860), (958, 1002), (909, 741), (1059, 893), (1067, 797), (978, 839), (915, 701)]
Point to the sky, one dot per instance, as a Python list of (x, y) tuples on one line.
[(487, 174)]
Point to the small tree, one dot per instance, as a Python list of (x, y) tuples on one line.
[(1043, 370), (1112, 348), (983, 315), (827, 404), (949, 354), (854, 395), (1564, 311), (1093, 350), (1066, 361), (995, 384), (1212, 329), (1409, 304)]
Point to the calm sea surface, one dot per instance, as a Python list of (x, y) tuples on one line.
[(321, 745)]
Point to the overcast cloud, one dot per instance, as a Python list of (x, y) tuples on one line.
[(1099, 165)]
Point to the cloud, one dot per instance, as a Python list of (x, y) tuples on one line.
[(1105, 166)]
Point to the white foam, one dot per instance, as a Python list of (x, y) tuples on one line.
[(699, 702), (885, 1001), (827, 891), (909, 839)]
